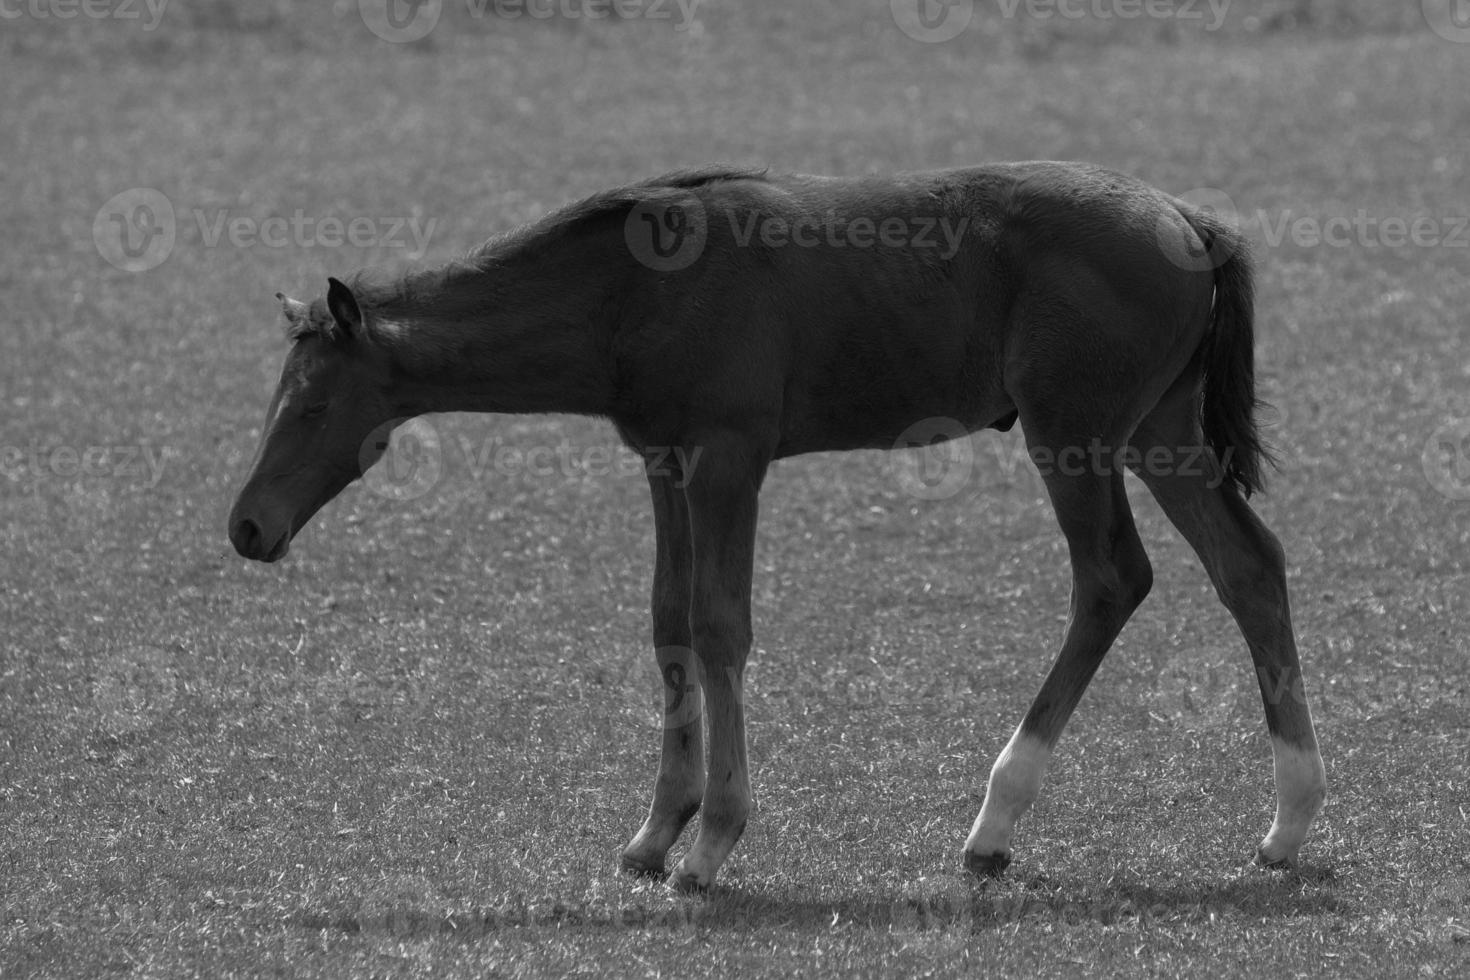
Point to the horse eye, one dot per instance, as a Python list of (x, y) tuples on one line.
[(314, 410)]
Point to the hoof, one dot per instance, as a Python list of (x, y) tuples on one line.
[(1262, 860), (987, 865), (639, 868), (686, 882)]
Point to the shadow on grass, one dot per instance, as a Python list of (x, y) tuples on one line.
[(957, 904)]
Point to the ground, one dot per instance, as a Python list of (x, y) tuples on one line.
[(417, 746)]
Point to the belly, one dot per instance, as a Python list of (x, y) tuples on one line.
[(884, 396)]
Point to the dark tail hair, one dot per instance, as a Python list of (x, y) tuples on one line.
[(1228, 412)]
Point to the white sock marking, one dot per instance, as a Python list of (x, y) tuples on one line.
[(1301, 787), (1015, 781)]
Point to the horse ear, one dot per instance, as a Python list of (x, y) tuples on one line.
[(296, 312), (344, 309)]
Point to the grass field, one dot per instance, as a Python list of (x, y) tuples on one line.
[(417, 746)]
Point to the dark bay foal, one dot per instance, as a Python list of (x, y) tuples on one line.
[(741, 317)]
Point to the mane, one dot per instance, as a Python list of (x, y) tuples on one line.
[(532, 239), (391, 297), (296, 329)]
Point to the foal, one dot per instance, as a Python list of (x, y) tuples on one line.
[(738, 317)]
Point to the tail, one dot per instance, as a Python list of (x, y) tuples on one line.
[(1228, 412)]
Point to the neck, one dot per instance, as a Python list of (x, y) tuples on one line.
[(525, 338)]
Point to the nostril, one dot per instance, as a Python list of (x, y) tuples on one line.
[(246, 537)]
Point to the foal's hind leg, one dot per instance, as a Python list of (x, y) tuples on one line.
[(680, 784), (1248, 568), (1110, 577)]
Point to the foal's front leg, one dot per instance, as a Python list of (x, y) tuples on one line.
[(722, 508), (680, 784)]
